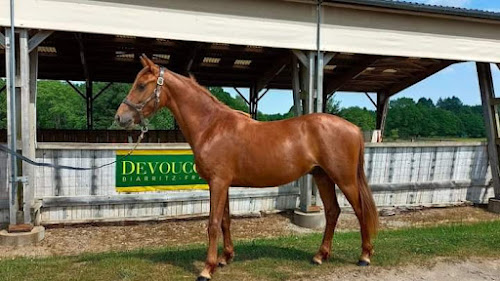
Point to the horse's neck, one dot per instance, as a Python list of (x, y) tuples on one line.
[(194, 112)]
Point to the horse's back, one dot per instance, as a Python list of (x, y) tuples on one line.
[(277, 152)]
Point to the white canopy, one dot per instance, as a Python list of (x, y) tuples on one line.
[(272, 23)]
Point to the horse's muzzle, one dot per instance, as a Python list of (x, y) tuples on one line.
[(124, 120)]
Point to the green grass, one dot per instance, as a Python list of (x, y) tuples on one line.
[(280, 258), (436, 139)]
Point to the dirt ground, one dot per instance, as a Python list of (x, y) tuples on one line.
[(470, 270), (91, 239)]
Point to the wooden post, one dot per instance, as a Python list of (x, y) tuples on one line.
[(310, 83), (253, 96), (491, 121), (296, 87), (27, 125), (319, 109), (319, 82), (382, 108), (90, 103)]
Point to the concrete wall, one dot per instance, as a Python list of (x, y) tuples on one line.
[(406, 174)]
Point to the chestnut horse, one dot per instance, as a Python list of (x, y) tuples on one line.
[(231, 149)]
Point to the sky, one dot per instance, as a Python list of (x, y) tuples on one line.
[(457, 80)]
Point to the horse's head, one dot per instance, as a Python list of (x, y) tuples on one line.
[(144, 96)]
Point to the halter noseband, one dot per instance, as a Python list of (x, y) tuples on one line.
[(155, 95)]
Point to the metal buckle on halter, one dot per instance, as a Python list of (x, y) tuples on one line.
[(160, 81)]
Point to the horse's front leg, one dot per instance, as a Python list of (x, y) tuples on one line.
[(228, 253), (218, 196)]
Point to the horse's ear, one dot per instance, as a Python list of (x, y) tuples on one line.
[(144, 61), (147, 62)]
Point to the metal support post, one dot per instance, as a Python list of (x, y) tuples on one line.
[(11, 123)]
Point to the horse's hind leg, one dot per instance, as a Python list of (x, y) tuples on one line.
[(228, 253), (349, 186), (326, 189)]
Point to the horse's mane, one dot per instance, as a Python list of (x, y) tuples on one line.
[(205, 91)]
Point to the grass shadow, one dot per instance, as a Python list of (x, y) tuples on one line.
[(186, 257)]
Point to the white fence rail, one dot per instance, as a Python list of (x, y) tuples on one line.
[(406, 174)]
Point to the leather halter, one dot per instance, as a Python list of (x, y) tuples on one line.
[(138, 107)]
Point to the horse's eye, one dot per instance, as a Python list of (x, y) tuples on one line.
[(141, 87)]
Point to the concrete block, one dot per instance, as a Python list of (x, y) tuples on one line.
[(494, 205), (309, 220), (22, 238)]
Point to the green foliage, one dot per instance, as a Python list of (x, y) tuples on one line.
[(60, 107), (332, 106), (362, 117), (448, 118), (237, 103), (3, 106)]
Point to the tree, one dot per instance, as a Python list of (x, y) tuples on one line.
[(406, 117), (59, 107), (427, 103), (362, 117), (332, 106), (3, 106), (451, 104)]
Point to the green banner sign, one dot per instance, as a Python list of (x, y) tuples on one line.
[(152, 170)]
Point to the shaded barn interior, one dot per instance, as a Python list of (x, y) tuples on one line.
[(115, 58)]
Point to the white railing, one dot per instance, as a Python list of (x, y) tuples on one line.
[(400, 174)]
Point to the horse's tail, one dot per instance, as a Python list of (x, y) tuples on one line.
[(369, 211)]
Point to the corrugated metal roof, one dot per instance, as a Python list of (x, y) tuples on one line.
[(419, 7)]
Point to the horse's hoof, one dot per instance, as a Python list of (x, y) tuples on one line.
[(316, 261), (201, 278), (222, 264), (363, 263)]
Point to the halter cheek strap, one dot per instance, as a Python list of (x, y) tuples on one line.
[(138, 107)]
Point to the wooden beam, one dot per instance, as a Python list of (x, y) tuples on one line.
[(83, 58), (336, 83), (76, 89), (296, 86), (102, 90), (181, 62), (263, 94), (38, 38), (241, 95), (28, 144), (382, 109), (301, 56), (328, 57), (2, 40), (276, 67), (370, 98), (90, 104), (491, 121), (417, 78)]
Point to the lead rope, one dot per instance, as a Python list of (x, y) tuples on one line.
[(4, 148)]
